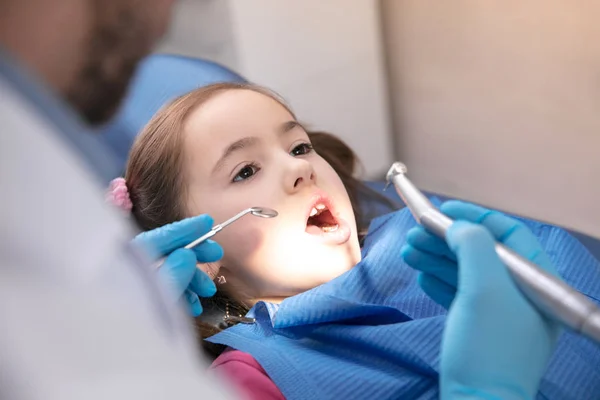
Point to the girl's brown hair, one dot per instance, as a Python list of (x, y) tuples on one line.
[(156, 179)]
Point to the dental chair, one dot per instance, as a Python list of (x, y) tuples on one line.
[(162, 77)]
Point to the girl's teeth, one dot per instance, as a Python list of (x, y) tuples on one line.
[(317, 209), (330, 228)]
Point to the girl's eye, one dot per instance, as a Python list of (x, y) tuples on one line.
[(245, 173), (302, 149)]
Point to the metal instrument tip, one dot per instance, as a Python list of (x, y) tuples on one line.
[(397, 168)]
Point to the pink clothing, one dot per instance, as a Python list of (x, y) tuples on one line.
[(247, 375)]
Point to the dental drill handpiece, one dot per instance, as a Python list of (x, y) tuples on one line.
[(555, 298)]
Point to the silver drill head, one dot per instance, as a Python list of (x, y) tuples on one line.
[(395, 169)]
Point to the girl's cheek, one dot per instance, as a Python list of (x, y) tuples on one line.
[(241, 241)]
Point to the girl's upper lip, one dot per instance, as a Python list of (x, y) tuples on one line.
[(320, 197)]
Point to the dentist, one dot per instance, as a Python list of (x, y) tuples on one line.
[(83, 314)]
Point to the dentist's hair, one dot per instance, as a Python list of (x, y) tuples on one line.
[(156, 180)]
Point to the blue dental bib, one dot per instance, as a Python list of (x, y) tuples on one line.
[(372, 333)]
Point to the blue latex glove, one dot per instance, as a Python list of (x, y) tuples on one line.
[(180, 269), (496, 345)]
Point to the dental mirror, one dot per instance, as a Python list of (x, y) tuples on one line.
[(263, 212)]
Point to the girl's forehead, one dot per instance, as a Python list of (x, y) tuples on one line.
[(233, 114)]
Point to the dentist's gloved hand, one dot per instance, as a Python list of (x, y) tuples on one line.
[(180, 271), (496, 344)]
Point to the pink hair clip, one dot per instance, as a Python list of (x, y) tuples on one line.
[(118, 195)]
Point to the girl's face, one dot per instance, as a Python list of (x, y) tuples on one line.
[(243, 149)]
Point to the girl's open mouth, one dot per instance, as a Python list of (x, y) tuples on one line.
[(321, 220), (324, 224)]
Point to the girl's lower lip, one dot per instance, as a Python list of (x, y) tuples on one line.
[(340, 236)]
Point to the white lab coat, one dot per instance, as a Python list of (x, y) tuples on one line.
[(80, 317)]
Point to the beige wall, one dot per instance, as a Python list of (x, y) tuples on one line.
[(499, 102), (201, 28)]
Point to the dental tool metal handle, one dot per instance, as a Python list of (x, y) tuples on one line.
[(556, 299), (216, 229), (256, 211)]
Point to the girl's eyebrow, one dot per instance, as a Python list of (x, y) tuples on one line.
[(289, 125), (250, 141), (238, 145)]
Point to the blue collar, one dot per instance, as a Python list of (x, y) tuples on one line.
[(65, 123)]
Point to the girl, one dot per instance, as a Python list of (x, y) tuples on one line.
[(318, 304)]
